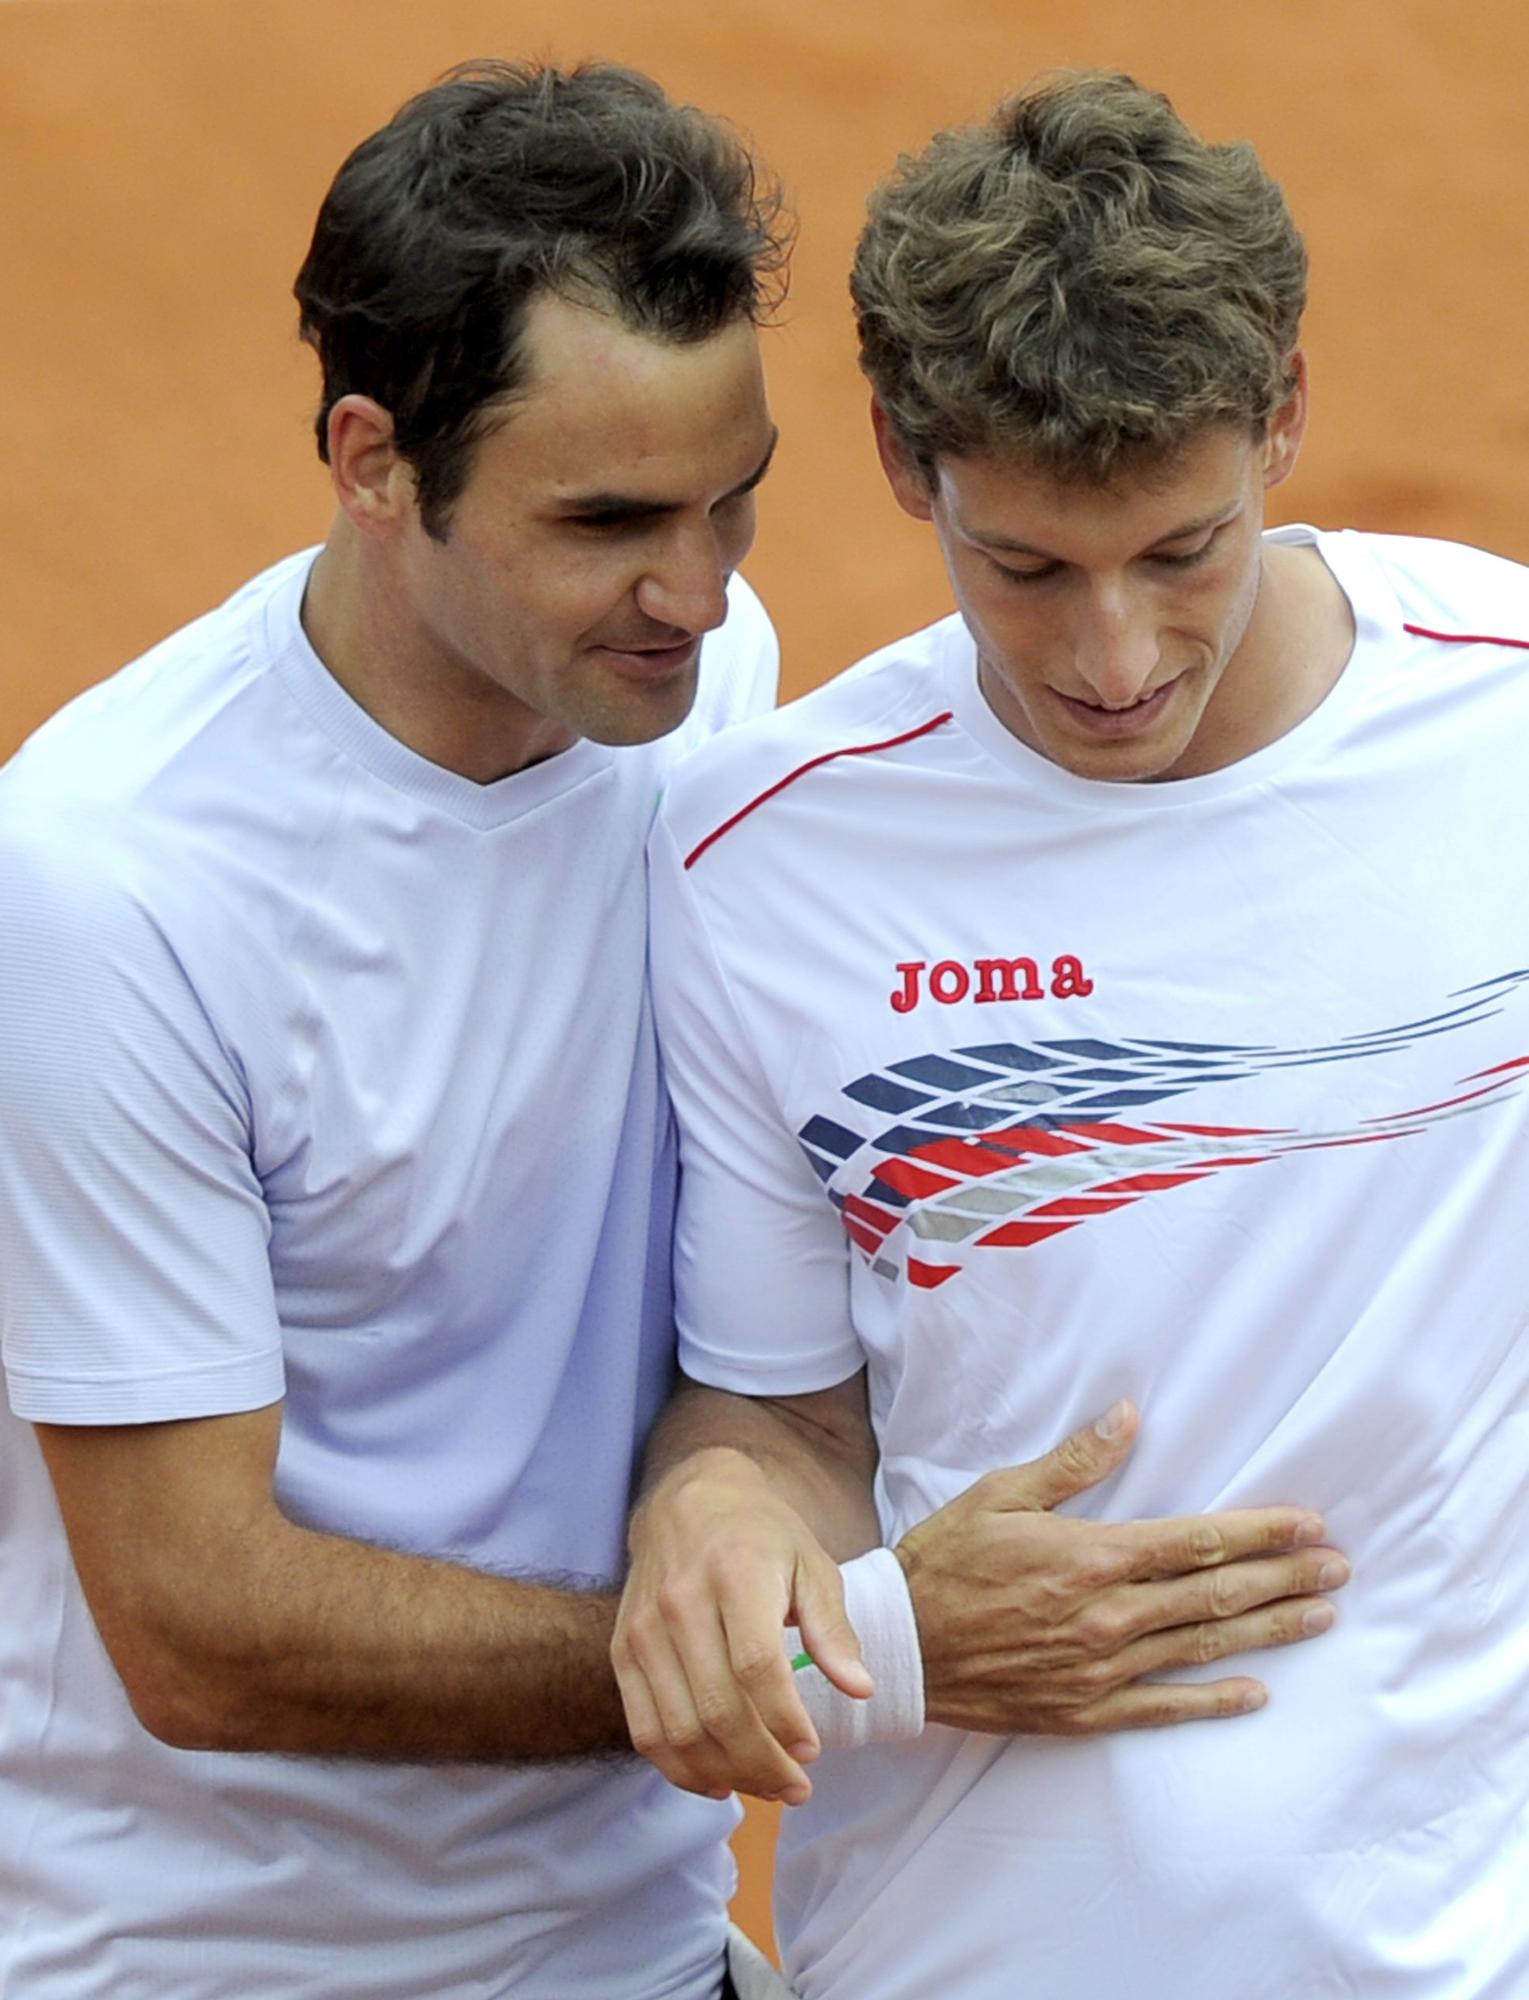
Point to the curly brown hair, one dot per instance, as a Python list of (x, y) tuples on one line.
[(1081, 282)]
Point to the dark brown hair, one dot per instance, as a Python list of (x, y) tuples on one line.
[(501, 181)]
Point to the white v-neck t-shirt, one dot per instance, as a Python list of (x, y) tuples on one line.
[(327, 1074)]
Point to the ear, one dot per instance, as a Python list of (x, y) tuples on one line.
[(1287, 426), (909, 487), (372, 482)]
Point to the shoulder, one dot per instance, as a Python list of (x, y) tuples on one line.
[(890, 698), (133, 814), (98, 960), (1449, 590), (111, 907), (114, 744)]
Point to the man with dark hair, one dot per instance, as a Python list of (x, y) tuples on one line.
[(1113, 991), (502, 186), (335, 1177)]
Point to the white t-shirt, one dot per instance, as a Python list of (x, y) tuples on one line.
[(1030, 1092), (329, 1074)]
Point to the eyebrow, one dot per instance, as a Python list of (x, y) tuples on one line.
[(1214, 517), (629, 507)]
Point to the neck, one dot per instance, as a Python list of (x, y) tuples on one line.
[(1298, 641), (365, 629)]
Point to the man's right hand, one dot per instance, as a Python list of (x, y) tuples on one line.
[(1032, 1622), (721, 1563), (1029, 1621)]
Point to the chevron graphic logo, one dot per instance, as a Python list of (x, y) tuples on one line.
[(1007, 1145)]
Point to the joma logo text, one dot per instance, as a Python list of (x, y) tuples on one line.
[(992, 978)]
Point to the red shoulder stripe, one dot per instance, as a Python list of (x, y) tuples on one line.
[(828, 756), (1465, 638)]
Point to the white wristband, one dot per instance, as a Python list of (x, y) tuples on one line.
[(878, 1606)]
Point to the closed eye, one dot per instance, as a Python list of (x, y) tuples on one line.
[(616, 519), (1175, 559), (622, 515), (1183, 559), (1025, 575)]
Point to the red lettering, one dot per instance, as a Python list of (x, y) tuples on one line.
[(1068, 979), (949, 982), (998, 979), (907, 1000)]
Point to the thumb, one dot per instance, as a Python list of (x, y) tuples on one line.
[(1078, 1462), (827, 1633)]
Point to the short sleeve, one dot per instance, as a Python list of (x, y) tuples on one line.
[(134, 1280), (761, 1261)]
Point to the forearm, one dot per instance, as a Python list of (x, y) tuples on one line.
[(817, 1456), (235, 1628), (334, 1648)]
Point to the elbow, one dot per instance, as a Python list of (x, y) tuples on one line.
[(184, 1704), (190, 1674), (187, 1723)]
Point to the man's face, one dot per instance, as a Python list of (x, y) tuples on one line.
[(590, 550), (1113, 623)]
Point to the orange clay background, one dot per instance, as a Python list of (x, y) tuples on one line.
[(161, 161)]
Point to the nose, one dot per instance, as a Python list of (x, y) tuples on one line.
[(1116, 646), (685, 588)]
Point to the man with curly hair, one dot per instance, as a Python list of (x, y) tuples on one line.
[(1113, 994)]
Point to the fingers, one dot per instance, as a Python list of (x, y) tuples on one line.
[(1272, 1619), (1288, 1623), (1162, 1705), (700, 1659), (649, 1739), (1201, 1643), (690, 1712), (1203, 1541), (1078, 1462), (757, 1689), (1240, 1586), (1132, 1702), (827, 1633)]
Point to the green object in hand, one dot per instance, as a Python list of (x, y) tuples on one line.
[(802, 1660)]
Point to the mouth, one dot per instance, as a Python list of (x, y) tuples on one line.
[(1112, 724), (652, 663)]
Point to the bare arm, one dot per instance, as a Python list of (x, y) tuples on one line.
[(1029, 1621), (817, 1453), (235, 1629)]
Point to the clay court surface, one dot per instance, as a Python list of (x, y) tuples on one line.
[(161, 160)]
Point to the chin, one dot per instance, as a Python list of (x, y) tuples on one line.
[(644, 720), (1120, 764)]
